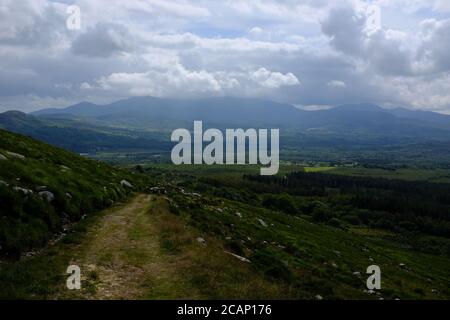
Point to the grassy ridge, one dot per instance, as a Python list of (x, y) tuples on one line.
[(44, 189)]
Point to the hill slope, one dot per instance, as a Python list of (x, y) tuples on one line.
[(78, 135), (43, 189)]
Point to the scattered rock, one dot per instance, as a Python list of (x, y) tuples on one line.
[(262, 223), (15, 155), (201, 241), (319, 297), (23, 190), (47, 195), (238, 257), (125, 183)]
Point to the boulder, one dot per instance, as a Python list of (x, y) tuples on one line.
[(47, 195), (23, 190), (15, 155), (238, 257), (201, 241), (125, 183), (262, 223)]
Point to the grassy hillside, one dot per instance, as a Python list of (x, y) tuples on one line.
[(81, 136), (44, 189), (319, 238)]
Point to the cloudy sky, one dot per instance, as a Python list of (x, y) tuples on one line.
[(311, 53)]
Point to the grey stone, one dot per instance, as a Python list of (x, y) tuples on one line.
[(125, 183), (47, 195)]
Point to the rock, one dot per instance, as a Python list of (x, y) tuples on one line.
[(23, 190), (238, 257), (15, 155), (47, 195), (125, 183), (319, 297), (201, 241), (239, 214), (262, 223), (334, 265), (2, 157)]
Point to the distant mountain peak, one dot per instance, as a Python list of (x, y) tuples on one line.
[(361, 107)]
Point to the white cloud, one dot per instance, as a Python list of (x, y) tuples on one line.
[(337, 84), (260, 48), (270, 79)]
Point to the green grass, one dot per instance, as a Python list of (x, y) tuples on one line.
[(80, 186), (410, 174), (320, 259)]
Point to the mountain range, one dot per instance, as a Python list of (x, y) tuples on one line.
[(145, 123)]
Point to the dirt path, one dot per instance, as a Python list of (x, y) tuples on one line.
[(142, 251), (121, 257)]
